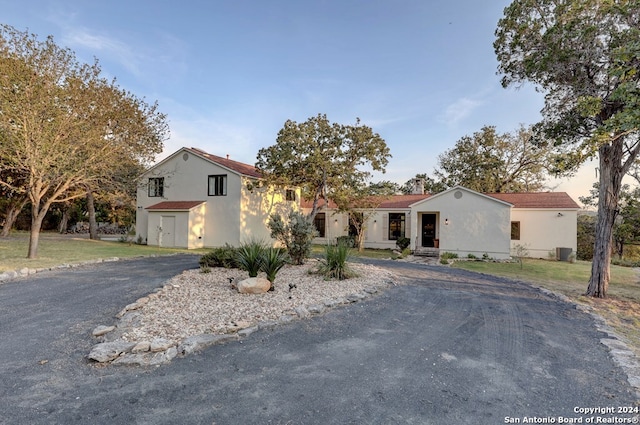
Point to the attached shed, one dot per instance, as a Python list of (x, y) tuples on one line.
[(177, 224)]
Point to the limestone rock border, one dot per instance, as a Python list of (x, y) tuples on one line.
[(112, 349)]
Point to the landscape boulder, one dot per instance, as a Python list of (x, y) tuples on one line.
[(254, 285)]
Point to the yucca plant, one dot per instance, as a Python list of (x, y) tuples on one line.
[(250, 257), (273, 259), (334, 265)]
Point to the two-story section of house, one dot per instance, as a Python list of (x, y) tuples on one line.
[(193, 199)]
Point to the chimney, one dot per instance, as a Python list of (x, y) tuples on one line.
[(418, 187), (227, 156)]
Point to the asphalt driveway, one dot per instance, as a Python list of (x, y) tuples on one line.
[(443, 347)]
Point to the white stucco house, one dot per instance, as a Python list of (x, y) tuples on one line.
[(462, 221), (193, 199)]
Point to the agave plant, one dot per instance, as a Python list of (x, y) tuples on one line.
[(273, 260), (250, 257), (334, 265)]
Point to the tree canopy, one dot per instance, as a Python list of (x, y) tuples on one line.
[(323, 158), (63, 126), (491, 162), (585, 57)]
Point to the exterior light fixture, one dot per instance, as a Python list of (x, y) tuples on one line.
[(446, 221)]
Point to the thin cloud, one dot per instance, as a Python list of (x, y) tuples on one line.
[(459, 110), (119, 50)]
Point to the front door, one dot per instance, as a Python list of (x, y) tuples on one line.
[(428, 230)]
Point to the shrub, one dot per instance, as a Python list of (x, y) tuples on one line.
[(296, 235), (444, 261), (250, 257), (406, 252), (471, 257), (334, 265), (403, 243), (448, 255), (220, 257), (273, 259)]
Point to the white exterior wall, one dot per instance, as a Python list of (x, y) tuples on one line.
[(188, 181), (257, 205), (542, 231), (182, 235), (239, 216), (477, 223), (377, 232)]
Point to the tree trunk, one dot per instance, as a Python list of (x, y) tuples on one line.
[(64, 221), (37, 217), (13, 210), (611, 173), (91, 209)]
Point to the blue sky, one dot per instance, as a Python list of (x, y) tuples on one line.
[(421, 73)]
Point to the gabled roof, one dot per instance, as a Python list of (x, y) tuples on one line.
[(559, 200), (465, 189), (238, 167), (533, 200), (175, 205)]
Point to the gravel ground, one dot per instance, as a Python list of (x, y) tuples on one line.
[(194, 303)]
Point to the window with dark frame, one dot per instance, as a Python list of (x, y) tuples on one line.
[(320, 221), (396, 226), (156, 187), (217, 185), (290, 195), (515, 230)]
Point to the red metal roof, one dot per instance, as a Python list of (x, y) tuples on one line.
[(560, 200), (175, 205), (239, 167)]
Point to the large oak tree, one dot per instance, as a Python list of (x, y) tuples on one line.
[(585, 56), (488, 161), (324, 159), (63, 126)]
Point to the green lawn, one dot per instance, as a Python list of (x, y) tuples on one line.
[(56, 249), (621, 308)]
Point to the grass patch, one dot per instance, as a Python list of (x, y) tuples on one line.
[(621, 308), (380, 254), (55, 249)]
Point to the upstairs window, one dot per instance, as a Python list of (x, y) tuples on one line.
[(515, 230), (396, 226), (218, 185), (156, 187), (290, 195)]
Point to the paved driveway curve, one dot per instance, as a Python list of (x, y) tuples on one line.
[(443, 347)]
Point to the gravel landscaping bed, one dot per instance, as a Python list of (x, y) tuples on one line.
[(195, 303)]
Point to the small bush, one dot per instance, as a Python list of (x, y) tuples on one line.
[(297, 234), (448, 255), (273, 259), (444, 261), (406, 252), (220, 257), (471, 257), (250, 257), (403, 243), (348, 241), (334, 265)]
